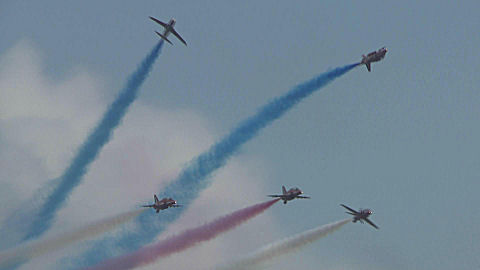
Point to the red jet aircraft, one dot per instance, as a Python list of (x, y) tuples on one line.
[(162, 204), (360, 215), (293, 193), (168, 29), (374, 56)]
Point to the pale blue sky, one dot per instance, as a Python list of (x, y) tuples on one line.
[(402, 140)]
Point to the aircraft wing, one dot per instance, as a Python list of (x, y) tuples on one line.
[(371, 223), (178, 36), (303, 197), (349, 209), (150, 205), (176, 205), (368, 67), (159, 22)]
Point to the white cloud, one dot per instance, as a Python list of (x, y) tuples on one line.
[(43, 121), (49, 118)]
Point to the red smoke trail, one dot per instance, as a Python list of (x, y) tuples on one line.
[(184, 240)]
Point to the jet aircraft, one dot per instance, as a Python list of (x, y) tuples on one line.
[(293, 193), (374, 56), (168, 29), (360, 215), (162, 204)]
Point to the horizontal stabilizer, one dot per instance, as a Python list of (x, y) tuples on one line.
[(164, 37)]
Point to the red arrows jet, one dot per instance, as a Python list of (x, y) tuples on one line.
[(293, 193), (162, 204), (374, 56), (360, 215), (168, 29)]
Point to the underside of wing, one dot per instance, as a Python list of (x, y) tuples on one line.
[(303, 197), (349, 209), (371, 223), (178, 36), (150, 205), (159, 22), (275, 196)]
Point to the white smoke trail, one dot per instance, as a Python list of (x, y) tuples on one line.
[(284, 246), (34, 249)]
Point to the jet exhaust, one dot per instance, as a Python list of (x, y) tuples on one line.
[(184, 240), (196, 176), (283, 247), (14, 257)]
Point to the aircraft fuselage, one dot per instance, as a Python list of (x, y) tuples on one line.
[(374, 56), (291, 194), (362, 214), (169, 27)]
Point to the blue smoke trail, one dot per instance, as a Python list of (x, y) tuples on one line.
[(92, 146), (195, 177)]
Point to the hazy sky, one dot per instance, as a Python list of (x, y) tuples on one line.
[(402, 140)]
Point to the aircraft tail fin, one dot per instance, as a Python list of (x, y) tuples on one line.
[(284, 190), (164, 37), (155, 198)]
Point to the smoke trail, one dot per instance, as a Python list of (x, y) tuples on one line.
[(184, 240), (194, 177), (15, 257), (284, 246), (92, 146)]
